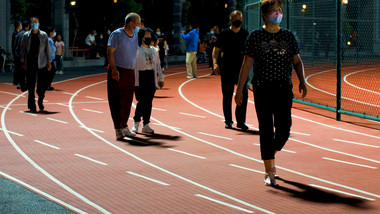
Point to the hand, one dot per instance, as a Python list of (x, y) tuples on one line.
[(161, 84), (216, 68), (115, 74), (239, 98), (49, 66), (303, 89)]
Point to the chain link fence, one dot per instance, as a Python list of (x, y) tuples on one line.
[(345, 80)]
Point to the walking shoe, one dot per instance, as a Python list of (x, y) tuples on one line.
[(50, 88), (146, 129), (189, 77), (269, 179), (228, 126), (135, 127), (126, 133), (41, 105), (119, 135), (242, 126), (60, 72)]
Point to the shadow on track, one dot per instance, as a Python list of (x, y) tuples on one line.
[(309, 193), (151, 140)]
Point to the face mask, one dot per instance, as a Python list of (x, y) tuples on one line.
[(101, 37), (55, 34), (34, 26), (158, 33), (212, 32), (236, 23), (275, 18), (148, 41), (172, 33), (95, 34), (136, 30), (109, 32)]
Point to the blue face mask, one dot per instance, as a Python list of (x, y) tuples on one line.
[(34, 26), (158, 33), (275, 18), (136, 30), (95, 34), (55, 34)]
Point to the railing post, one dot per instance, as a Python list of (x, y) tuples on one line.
[(339, 61)]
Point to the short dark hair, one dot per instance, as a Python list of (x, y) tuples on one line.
[(49, 30), (235, 12), (141, 34), (25, 24), (131, 17), (266, 4), (16, 24)]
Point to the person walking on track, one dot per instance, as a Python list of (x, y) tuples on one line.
[(231, 43), (146, 70), (191, 51), (121, 53), (36, 60), (273, 50)]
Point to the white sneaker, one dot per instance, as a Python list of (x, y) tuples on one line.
[(60, 72), (119, 135), (126, 133), (135, 127), (146, 129), (189, 77)]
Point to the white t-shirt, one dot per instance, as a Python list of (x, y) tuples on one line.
[(148, 59), (90, 38), (60, 46)]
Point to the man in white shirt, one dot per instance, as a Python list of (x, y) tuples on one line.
[(91, 44)]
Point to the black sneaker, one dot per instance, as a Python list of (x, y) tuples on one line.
[(50, 88), (242, 126), (228, 126), (41, 105)]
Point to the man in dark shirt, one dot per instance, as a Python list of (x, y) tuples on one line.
[(17, 30), (231, 44)]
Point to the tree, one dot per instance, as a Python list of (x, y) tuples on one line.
[(18, 10)]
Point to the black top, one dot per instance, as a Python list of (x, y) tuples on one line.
[(231, 45), (273, 56), (34, 46)]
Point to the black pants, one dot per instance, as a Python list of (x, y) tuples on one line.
[(228, 87), (273, 109), (50, 75), (33, 73), (144, 96)]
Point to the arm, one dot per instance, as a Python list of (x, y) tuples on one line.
[(298, 66), (63, 49), (159, 70), (215, 55), (244, 72), (111, 60), (48, 48)]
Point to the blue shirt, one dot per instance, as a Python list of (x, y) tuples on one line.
[(52, 48), (191, 40), (125, 48)]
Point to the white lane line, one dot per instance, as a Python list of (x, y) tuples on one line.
[(28, 113), (355, 86), (40, 142), (159, 109), (156, 166), (193, 115), (15, 133), (94, 98), (299, 133), (189, 154), (61, 104), (283, 150), (224, 203), (332, 94), (162, 125), (5, 92), (227, 138), (68, 93), (90, 159), (248, 169), (43, 194), (95, 130), (39, 168), (147, 178), (361, 144), (59, 121), (99, 112), (331, 150), (350, 163), (346, 193), (4, 107)]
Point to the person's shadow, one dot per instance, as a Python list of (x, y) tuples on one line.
[(309, 193), (248, 131), (150, 140), (41, 112)]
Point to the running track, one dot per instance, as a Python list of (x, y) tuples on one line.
[(192, 164)]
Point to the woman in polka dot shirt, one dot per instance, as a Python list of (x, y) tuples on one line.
[(275, 52)]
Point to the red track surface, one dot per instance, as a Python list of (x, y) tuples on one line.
[(197, 165)]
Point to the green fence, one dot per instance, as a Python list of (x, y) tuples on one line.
[(339, 42)]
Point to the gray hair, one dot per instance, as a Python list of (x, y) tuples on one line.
[(131, 17)]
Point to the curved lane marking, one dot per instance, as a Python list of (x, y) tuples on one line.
[(355, 86)]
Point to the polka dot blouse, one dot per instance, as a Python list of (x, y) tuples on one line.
[(273, 56)]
